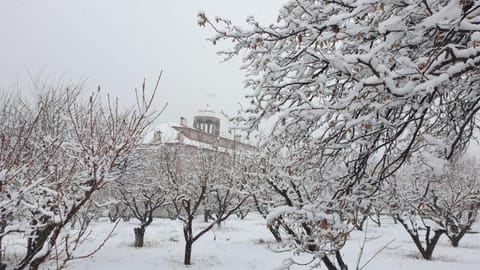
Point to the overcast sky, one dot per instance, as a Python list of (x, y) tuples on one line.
[(117, 43)]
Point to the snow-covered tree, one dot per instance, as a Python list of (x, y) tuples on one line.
[(363, 78), (304, 214), (455, 199), (18, 154), (60, 150), (260, 184), (411, 189), (194, 174), (429, 204), (139, 189), (362, 84)]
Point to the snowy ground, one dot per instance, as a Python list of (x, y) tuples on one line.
[(244, 244)]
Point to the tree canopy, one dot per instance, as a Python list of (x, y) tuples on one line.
[(365, 80)]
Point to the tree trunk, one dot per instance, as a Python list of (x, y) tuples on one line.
[(206, 215), (395, 220), (139, 235), (35, 243), (340, 260), (328, 263), (34, 264), (360, 222), (455, 239), (3, 225), (188, 235), (275, 233), (431, 245), (2, 265), (188, 252)]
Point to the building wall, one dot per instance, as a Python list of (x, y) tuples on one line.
[(215, 141)]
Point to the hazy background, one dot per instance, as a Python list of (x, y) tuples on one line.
[(117, 43)]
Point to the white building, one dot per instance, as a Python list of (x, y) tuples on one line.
[(205, 134)]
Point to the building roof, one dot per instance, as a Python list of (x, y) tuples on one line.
[(175, 133)]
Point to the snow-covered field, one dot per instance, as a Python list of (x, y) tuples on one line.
[(245, 244)]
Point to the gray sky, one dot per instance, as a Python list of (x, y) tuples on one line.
[(117, 43)]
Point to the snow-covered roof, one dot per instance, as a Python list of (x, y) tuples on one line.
[(168, 133), (171, 132)]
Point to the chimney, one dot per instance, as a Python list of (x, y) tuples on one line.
[(180, 137), (157, 137), (183, 122)]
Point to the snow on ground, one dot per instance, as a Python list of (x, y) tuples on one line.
[(244, 244)]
